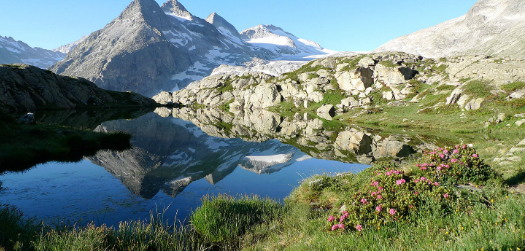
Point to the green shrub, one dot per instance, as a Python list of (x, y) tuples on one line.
[(389, 196), (224, 218), (458, 165)]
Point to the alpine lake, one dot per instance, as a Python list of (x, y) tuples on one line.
[(180, 155)]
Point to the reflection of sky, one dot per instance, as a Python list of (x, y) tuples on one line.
[(74, 191)]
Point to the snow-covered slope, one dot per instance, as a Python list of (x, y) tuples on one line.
[(12, 51), (282, 43), (491, 27), (149, 48)]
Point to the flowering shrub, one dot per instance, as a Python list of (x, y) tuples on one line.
[(460, 164), (389, 196)]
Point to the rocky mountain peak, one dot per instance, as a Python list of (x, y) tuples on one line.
[(219, 22), (176, 8)]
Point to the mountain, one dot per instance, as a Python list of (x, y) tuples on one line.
[(12, 51), (170, 153), (26, 88), (68, 47), (491, 27), (281, 42), (150, 48)]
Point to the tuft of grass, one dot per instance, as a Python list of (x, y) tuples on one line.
[(514, 86), (478, 88), (225, 218), (388, 63)]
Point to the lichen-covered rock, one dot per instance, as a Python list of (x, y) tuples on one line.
[(164, 98), (355, 141)]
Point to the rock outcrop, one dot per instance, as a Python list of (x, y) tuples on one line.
[(491, 27), (27, 88)]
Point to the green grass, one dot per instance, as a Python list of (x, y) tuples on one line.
[(514, 86), (478, 88), (225, 218), (388, 63)]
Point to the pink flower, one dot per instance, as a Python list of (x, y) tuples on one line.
[(445, 195), (439, 168), (417, 165), (436, 184), (464, 146), (423, 168), (423, 178), (363, 201), (341, 226), (342, 218), (401, 181), (457, 146), (335, 227), (380, 188), (359, 228), (331, 218), (453, 160), (392, 211), (447, 166), (375, 183), (441, 156), (445, 151), (379, 197), (474, 155), (455, 151), (389, 173), (374, 193), (379, 208), (416, 192), (345, 213), (416, 180), (397, 172)]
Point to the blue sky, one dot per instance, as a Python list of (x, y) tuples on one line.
[(342, 25)]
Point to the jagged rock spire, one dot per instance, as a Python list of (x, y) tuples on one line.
[(218, 21), (173, 6)]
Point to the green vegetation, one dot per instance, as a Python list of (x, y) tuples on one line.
[(386, 207), (388, 63), (225, 218), (478, 88), (514, 86)]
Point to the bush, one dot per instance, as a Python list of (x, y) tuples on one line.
[(458, 165), (225, 218), (389, 196)]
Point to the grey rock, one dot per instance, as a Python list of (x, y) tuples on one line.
[(163, 98), (326, 112), (27, 88), (357, 79)]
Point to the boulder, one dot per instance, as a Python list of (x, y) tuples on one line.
[(326, 112), (265, 95), (474, 104), (393, 75), (366, 62), (357, 79), (454, 96), (355, 141), (164, 98)]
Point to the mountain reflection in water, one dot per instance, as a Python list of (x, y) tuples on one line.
[(180, 155)]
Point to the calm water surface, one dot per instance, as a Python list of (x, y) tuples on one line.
[(172, 165)]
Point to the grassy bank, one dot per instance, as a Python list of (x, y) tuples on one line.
[(449, 199), (23, 146)]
